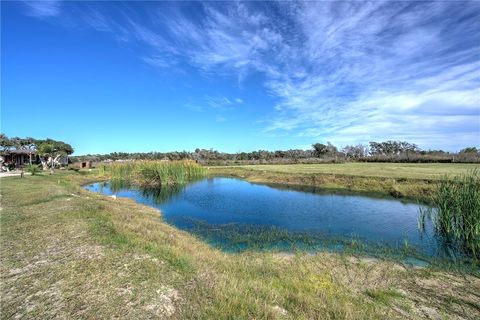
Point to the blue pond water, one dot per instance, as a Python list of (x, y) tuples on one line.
[(234, 214)]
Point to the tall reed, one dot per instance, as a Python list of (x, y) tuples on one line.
[(154, 173), (456, 212)]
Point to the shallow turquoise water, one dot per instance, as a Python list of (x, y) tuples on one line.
[(235, 215)]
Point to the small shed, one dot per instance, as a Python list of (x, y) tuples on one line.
[(86, 164), (83, 164)]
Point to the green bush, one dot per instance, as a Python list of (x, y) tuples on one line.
[(32, 168)]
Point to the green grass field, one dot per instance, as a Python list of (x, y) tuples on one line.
[(67, 253), (384, 170)]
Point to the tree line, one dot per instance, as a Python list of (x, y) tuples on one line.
[(387, 151)]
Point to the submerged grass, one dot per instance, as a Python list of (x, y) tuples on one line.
[(153, 173), (456, 212), (238, 238)]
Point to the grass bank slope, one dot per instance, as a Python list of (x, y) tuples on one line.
[(415, 181), (67, 253)]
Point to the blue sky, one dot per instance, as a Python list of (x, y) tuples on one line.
[(239, 76)]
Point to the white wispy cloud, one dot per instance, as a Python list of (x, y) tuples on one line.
[(342, 71), (381, 72), (43, 8), (219, 104), (222, 103)]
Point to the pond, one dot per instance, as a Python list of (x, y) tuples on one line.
[(234, 215)]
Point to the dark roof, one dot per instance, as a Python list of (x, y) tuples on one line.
[(21, 152)]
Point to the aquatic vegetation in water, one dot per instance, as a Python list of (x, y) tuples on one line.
[(456, 212), (238, 237), (153, 173)]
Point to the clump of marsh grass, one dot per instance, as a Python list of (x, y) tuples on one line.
[(456, 212), (102, 170), (154, 173)]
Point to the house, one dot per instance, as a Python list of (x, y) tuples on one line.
[(22, 157), (19, 158)]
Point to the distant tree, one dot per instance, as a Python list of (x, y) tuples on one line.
[(50, 151), (320, 149), (331, 149), (375, 148), (469, 150), (393, 148), (30, 143), (355, 152), (5, 144), (279, 154)]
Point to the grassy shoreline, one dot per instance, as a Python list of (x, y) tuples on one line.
[(411, 181), (69, 253), (413, 189)]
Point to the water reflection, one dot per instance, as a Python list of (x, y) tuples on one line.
[(157, 195), (162, 194)]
